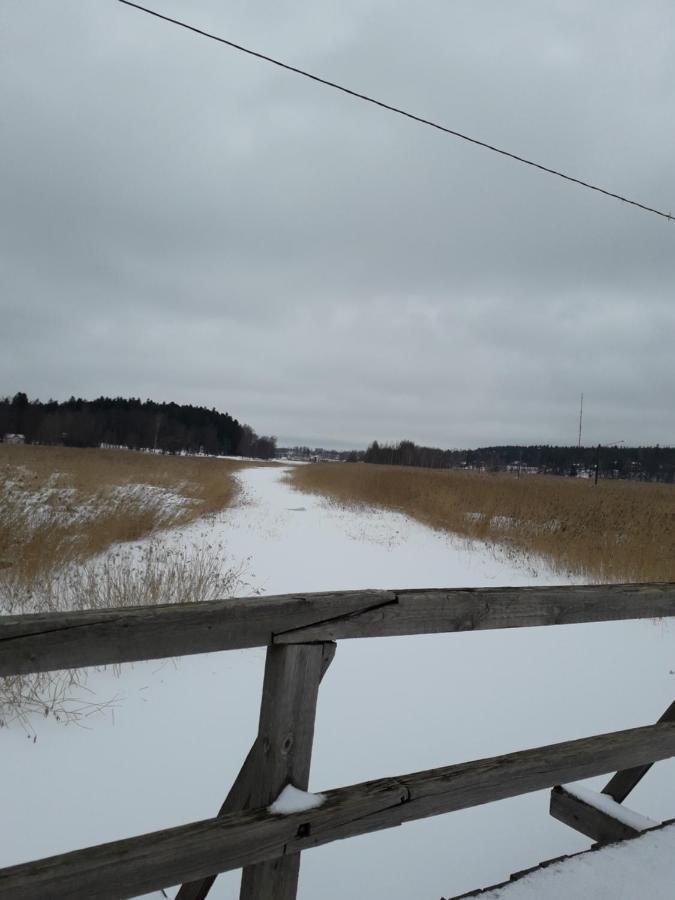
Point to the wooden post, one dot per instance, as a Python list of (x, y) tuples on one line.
[(285, 736), (239, 796)]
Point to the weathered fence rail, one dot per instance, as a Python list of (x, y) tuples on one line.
[(298, 631), (38, 643), (138, 865)]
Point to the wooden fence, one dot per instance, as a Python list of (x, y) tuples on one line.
[(299, 631)]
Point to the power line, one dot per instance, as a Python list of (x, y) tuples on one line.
[(395, 109)]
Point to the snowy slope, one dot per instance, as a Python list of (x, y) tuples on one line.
[(378, 712), (644, 867)]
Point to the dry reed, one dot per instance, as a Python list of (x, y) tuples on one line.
[(617, 531), (134, 575), (60, 504), (61, 512)]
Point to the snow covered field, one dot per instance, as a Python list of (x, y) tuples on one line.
[(168, 752)]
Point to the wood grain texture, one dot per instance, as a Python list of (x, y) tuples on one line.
[(594, 823), (47, 641), (285, 738), (72, 640), (142, 864), (474, 609), (239, 797), (621, 784)]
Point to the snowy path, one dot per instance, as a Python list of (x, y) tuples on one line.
[(301, 542), (387, 706)]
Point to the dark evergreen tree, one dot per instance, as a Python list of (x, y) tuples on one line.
[(122, 422)]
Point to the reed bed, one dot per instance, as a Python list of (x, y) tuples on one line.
[(617, 531), (61, 504), (70, 523)]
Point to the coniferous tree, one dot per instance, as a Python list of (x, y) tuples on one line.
[(132, 423)]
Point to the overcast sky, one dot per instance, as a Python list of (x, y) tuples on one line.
[(181, 222)]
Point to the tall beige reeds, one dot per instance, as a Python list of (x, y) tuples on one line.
[(617, 531), (68, 520)]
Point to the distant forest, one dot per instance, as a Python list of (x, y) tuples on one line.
[(132, 423), (639, 463)]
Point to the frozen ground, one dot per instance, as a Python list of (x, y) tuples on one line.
[(178, 736)]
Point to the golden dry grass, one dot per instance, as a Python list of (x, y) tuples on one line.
[(61, 507), (60, 504), (617, 531)]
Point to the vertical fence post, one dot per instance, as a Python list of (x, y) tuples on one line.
[(285, 736)]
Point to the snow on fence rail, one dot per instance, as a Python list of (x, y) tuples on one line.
[(299, 631)]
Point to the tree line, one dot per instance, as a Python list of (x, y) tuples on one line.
[(639, 463), (132, 423)]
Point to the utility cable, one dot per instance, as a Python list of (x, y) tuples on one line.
[(395, 109)]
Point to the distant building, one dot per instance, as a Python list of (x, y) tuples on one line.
[(14, 439)]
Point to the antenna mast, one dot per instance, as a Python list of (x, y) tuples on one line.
[(581, 416)]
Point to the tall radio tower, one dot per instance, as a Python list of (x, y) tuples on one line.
[(581, 416)]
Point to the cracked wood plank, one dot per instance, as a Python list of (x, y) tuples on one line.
[(474, 609), (42, 642), (164, 858), (72, 640)]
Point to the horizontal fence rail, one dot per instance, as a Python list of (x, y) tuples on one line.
[(299, 631), (70, 640), (190, 852)]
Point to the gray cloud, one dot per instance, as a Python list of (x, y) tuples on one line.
[(179, 221)]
